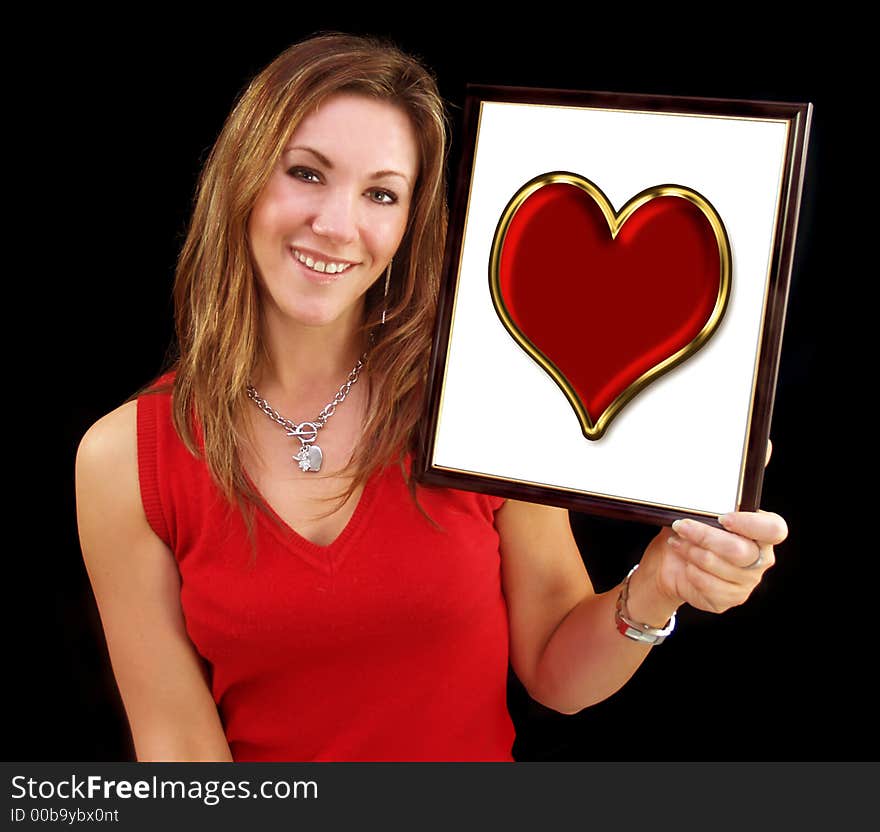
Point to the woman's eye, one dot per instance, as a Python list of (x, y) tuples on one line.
[(382, 196), (305, 174)]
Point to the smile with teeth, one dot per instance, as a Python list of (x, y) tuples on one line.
[(328, 267)]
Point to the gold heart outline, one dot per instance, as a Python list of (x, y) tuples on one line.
[(615, 222)]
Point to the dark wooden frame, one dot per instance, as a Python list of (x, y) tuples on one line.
[(798, 116)]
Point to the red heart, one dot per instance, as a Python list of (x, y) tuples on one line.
[(607, 301)]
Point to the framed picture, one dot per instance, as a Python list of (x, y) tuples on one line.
[(613, 300)]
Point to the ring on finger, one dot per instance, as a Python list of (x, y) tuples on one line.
[(759, 561)]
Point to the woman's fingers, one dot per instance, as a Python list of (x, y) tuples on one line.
[(745, 543), (715, 569), (760, 526), (763, 526), (714, 565)]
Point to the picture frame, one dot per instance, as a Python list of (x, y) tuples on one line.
[(613, 300)]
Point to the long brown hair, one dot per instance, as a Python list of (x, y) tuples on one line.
[(215, 293)]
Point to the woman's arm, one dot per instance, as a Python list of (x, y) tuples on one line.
[(161, 677), (565, 647)]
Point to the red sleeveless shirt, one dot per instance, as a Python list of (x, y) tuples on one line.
[(390, 644)]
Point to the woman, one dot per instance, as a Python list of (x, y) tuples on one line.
[(271, 583)]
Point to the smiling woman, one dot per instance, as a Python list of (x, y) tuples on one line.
[(261, 604), (328, 223)]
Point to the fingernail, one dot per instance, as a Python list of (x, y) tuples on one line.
[(674, 541), (678, 525), (724, 519)]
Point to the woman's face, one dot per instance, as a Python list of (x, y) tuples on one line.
[(333, 211)]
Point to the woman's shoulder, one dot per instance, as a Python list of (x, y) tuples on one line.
[(106, 475), (111, 441)]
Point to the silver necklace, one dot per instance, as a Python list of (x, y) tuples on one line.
[(309, 456)]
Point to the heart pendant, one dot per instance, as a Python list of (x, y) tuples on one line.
[(607, 301), (309, 458)]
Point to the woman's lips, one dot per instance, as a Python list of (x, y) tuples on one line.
[(320, 262)]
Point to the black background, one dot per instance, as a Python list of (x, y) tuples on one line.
[(120, 115)]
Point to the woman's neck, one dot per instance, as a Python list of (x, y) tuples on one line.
[(301, 362)]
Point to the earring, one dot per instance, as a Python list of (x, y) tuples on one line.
[(387, 281)]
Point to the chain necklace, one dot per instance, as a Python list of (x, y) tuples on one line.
[(309, 456)]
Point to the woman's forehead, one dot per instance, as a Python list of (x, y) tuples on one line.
[(358, 129)]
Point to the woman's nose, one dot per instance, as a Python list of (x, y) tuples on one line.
[(336, 216)]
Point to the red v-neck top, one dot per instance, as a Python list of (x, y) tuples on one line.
[(389, 644)]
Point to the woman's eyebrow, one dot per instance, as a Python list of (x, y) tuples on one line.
[(328, 164)]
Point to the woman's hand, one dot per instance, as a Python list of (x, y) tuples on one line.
[(716, 569), (709, 568)]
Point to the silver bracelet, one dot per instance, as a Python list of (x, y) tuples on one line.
[(635, 629)]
